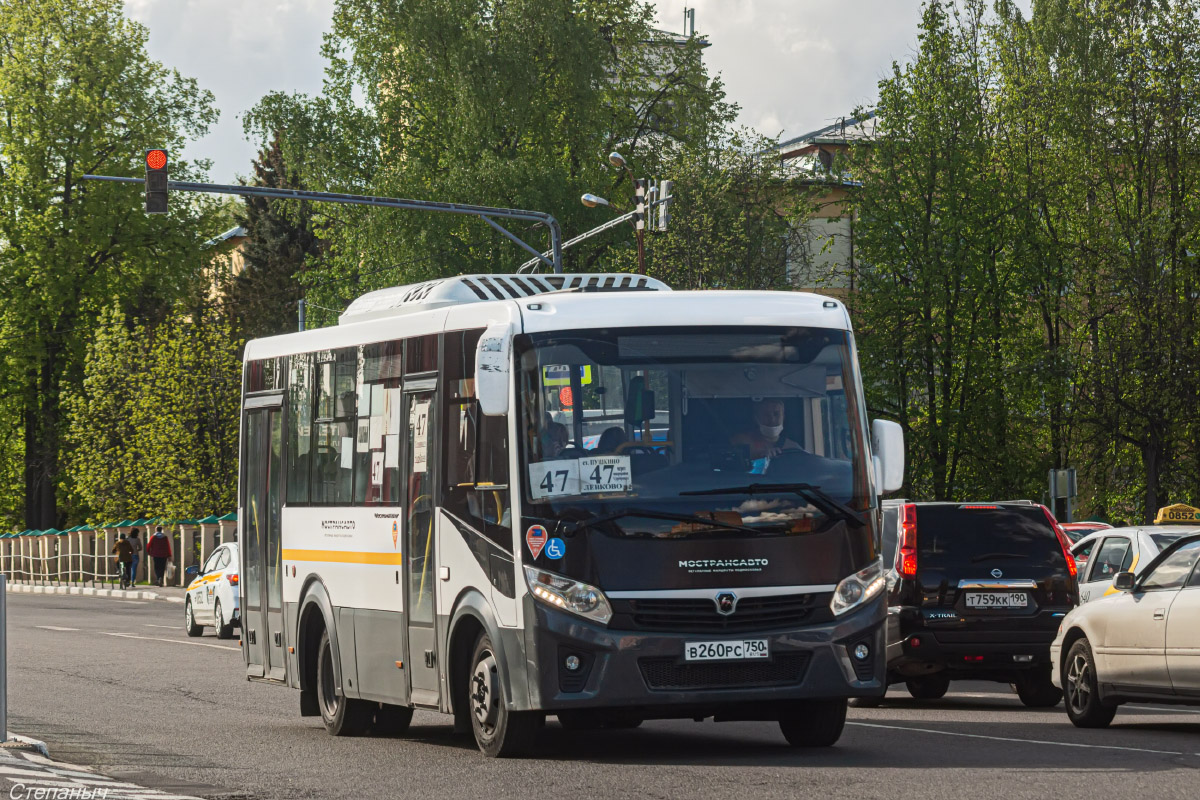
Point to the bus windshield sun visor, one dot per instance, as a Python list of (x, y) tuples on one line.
[(812, 494), (572, 528)]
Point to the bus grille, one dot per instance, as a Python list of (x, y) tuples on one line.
[(785, 669), (699, 615)]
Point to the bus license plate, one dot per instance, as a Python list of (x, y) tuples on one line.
[(745, 650), (997, 600)]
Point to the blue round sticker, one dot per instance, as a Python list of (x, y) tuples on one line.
[(556, 548)]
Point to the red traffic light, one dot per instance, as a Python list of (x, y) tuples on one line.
[(156, 159)]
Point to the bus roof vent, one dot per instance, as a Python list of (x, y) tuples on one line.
[(483, 288)]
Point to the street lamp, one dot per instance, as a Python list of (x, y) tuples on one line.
[(639, 199)]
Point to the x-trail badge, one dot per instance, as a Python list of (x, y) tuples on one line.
[(726, 603)]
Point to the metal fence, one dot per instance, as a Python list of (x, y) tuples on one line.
[(83, 556)]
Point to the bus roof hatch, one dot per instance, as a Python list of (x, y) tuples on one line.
[(483, 288)]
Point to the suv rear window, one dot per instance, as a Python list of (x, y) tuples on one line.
[(977, 538)]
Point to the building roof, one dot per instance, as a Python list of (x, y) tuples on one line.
[(845, 130), (233, 233)]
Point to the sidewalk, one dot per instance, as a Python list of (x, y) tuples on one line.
[(27, 774), (173, 594)]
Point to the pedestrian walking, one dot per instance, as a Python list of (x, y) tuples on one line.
[(136, 543), (159, 549), (124, 559)]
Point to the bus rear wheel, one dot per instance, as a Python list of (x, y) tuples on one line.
[(499, 732), (343, 716)]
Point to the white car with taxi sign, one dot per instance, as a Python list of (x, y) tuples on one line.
[(1105, 553), (1140, 644), (212, 595)]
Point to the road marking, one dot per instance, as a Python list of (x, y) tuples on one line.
[(1021, 741), (1154, 709), (54, 628), (172, 641), (168, 627)]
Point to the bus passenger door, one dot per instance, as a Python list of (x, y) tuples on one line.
[(261, 581), (422, 571)]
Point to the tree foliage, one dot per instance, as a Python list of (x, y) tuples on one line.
[(154, 426), (1028, 217), (79, 95), (514, 104)]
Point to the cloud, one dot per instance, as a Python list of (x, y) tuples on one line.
[(239, 50)]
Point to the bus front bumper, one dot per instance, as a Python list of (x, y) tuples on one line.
[(647, 671)]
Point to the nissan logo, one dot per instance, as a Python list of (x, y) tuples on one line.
[(726, 603), (996, 573)]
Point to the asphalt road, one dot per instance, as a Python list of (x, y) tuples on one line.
[(117, 685)]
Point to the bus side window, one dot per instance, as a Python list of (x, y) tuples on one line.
[(299, 431), (476, 447)]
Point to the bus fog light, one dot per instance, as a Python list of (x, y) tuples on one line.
[(862, 652), (571, 663)]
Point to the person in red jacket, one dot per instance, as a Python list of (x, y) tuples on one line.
[(159, 548)]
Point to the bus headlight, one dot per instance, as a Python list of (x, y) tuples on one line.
[(858, 588), (569, 595)]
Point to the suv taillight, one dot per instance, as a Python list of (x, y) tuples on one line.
[(1063, 541), (906, 554)]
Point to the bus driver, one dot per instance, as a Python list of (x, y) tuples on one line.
[(766, 438)]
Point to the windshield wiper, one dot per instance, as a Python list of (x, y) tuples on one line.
[(989, 556), (812, 494), (651, 514)]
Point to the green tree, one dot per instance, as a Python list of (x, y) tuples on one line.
[(153, 427), (79, 95), (939, 300), (103, 445), (187, 417), (262, 298), (511, 104)]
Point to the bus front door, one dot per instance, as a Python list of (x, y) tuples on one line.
[(261, 582), (422, 551)]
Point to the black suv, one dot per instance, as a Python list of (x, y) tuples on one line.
[(977, 592)]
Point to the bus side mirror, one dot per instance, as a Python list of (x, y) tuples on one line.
[(493, 355), (887, 444)]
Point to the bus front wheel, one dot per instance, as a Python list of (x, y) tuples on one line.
[(499, 731), (814, 723)]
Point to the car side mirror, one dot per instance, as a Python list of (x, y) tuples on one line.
[(887, 445), (1123, 582), (191, 572)]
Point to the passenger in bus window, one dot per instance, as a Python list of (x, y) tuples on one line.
[(555, 439), (765, 438), (610, 440)]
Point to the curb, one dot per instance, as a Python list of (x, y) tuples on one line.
[(17, 742), (126, 594)]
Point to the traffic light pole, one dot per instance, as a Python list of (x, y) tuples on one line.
[(552, 257)]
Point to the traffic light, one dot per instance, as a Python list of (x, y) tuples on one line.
[(664, 209), (640, 191), (156, 181)]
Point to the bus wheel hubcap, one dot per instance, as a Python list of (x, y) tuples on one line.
[(484, 697)]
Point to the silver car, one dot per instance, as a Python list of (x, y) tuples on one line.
[(1141, 643)]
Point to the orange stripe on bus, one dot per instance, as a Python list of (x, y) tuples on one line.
[(342, 557)]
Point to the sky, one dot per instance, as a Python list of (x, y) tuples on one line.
[(792, 66)]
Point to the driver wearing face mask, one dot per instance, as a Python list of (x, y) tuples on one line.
[(765, 438)]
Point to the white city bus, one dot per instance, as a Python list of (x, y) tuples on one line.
[(506, 497)]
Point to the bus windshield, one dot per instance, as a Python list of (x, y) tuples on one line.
[(750, 429)]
